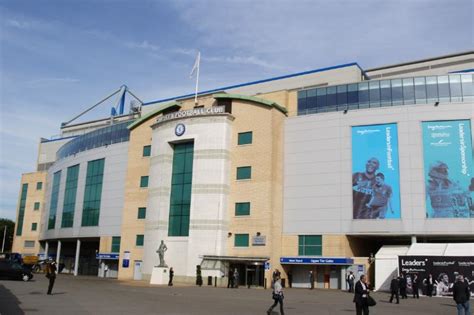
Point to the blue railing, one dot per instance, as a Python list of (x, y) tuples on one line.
[(109, 135), (390, 92)]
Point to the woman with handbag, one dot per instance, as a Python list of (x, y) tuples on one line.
[(361, 296), (277, 296)]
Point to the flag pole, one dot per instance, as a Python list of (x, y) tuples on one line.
[(197, 79)]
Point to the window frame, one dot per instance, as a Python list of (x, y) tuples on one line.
[(141, 210), (242, 169), (242, 237), (142, 181), (139, 238), (242, 138), (237, 204), (146, 151), (305, 244)]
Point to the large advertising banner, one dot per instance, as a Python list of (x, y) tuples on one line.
[(375, 172), (443, 270), (449, 180)]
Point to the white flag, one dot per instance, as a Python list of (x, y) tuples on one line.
[(196, 65)]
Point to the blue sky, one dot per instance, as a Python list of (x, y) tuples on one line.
[(60, 57)]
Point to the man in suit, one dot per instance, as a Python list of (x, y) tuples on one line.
[(360, 296), (394, 287), (403, 286), (414, 285)]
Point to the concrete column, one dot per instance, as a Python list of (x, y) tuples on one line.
[(46, 249), (58, 253), (413, 239), (76, 260)]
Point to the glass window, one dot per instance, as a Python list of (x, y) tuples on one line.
[(443, 88), (242, 208), (455, 88), (331, 98), (374, 93), (467, 87), (244, 172), (34, 226), (311, 100), (241, 240), (93, 193), (181, 185), (310, 245), (140, 240), (353, 95), (302, 102), (363, 95), (397, 92), (147, 150), (36, 206), (321, 97), (420, 90), (29, 244), (244, 138), (54, 200), (21, 209), (115, 244), (432, 89), (342, 97), (141, 213), (385, 93), (144, 181), (70, 191), (408, 91), (39, 185)]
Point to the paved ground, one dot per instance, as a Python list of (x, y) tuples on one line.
[(87, 295)]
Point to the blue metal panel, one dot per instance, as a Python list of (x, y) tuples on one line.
[(316, 260)]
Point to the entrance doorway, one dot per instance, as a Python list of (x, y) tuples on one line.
[(250, 274)]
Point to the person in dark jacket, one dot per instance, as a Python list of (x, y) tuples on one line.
[(51, 275), (290, 279), (311, 279), (403, 286), (429, 282), (170, 283), (414, 286), (230, 279), (394, 287), (360, 296), (461, 295)]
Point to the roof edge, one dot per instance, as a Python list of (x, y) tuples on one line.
[(251, 99), (152, 114)]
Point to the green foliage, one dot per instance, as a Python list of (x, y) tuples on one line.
[(9, 236)]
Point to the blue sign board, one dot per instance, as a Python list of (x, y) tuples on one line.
[(267, 265), (107, 256), (375, 172), (449, 171), (316, 260)]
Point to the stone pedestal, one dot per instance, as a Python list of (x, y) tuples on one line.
[(159, 275)]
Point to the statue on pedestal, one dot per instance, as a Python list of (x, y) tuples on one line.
[(161, 254)]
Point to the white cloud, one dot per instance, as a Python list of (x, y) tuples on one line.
[(23, 25), (247, 60), (146, 45)]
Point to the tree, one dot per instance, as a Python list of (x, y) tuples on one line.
[(9, 236)]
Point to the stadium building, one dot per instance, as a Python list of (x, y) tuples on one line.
[(319, 170)]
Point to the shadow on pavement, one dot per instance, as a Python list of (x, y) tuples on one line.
[(9, 304)]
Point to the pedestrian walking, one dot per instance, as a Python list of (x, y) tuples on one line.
[(461, 295), (311, 279), (171, 275), (277, 296), (414, 285), (51, 275), (230, 280), (350, 281), (290, 279), (394, 287), (429, 282), (276, 274), (361, 295), (236, 278), (403, 286)]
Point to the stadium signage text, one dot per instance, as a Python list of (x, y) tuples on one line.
[(192, 113)]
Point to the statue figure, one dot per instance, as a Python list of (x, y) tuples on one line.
[(161, 254)]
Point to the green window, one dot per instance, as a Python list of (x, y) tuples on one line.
[(21, 210), (242, 208), (115, 244), (241, 240), (53, 207), (147, 150), (37, 206), (244, 172), (70, 196), (310, 245), (181, 182), (34, 226), (141, 213), (93, 193), (245, 138), (39, 185), (144, 181), (140, 240)]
